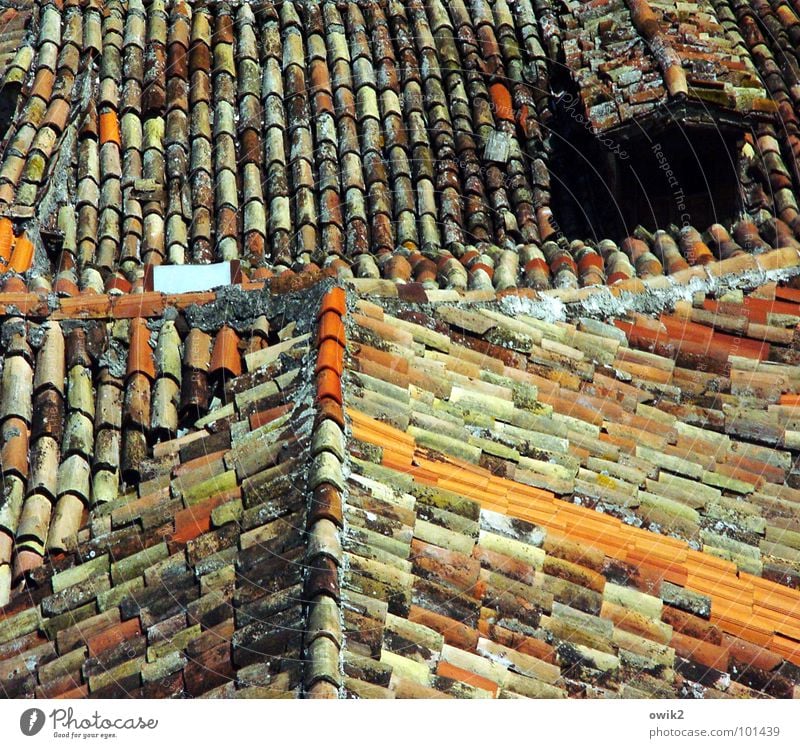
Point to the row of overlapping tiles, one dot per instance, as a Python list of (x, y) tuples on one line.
[(443, 594), (153, 123), (706, 335), (192, 582), (753, 401), (601, 468)]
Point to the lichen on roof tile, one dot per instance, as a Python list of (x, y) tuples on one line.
[(439, 431)]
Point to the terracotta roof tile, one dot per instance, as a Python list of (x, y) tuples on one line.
[(521, 441)]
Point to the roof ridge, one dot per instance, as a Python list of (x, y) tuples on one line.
[(740, 272), (322, 638)]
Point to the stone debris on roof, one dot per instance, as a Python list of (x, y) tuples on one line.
[(628, 57)]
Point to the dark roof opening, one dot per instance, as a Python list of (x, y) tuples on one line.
[(604, 185)]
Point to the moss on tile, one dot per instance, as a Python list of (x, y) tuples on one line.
[(81, 572), (135, 565)]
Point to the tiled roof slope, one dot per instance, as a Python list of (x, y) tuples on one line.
[(387, 139), (685, 470), (14, 18), (382, 498), (175, 559)]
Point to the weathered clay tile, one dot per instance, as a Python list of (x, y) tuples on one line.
[(429, 172), (225, 355)]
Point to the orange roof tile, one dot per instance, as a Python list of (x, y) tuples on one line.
[(22, 255), (334, 301), (446, 670), (6, 240), (140, 354), (329, 385), (109, 128), (225, 354)]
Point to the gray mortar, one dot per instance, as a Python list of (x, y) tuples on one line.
[(239, 308), (603, 304), (11, 327), (57, 190), (52, 302), (35, 335), (115, 358), (233, 306)]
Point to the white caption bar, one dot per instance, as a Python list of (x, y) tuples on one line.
[(411, 724)]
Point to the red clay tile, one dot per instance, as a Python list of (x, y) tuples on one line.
[(450, 567), (691, 625), (113, 636), (501, 102), (43, 84), (702, 652), (80, 692), (329, 385), (55, 688), (225, 355), (526, 644), (65, 287), (326, 504), (616, 277), (732, 471), (195, 520), (751, 654), (6, 241), (198, 462), (197, 350), (149, 304), (109, 128), (388, 360), (261, 273), (590, 260), (140, 354), (384, 330), (7, 192), (331, 356), (263, 417), (57, 115), (329, 408), (334, 301), (397, 268), (14, 284), (117, 284), (331, 327), (24, 561), (185, 300), (323, 690), (84, 305), (14, 453), (446, 670), (455, 633), (387, 374)]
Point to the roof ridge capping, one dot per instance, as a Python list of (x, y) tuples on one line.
[(652, 295), (324, 556), (657, 293)]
